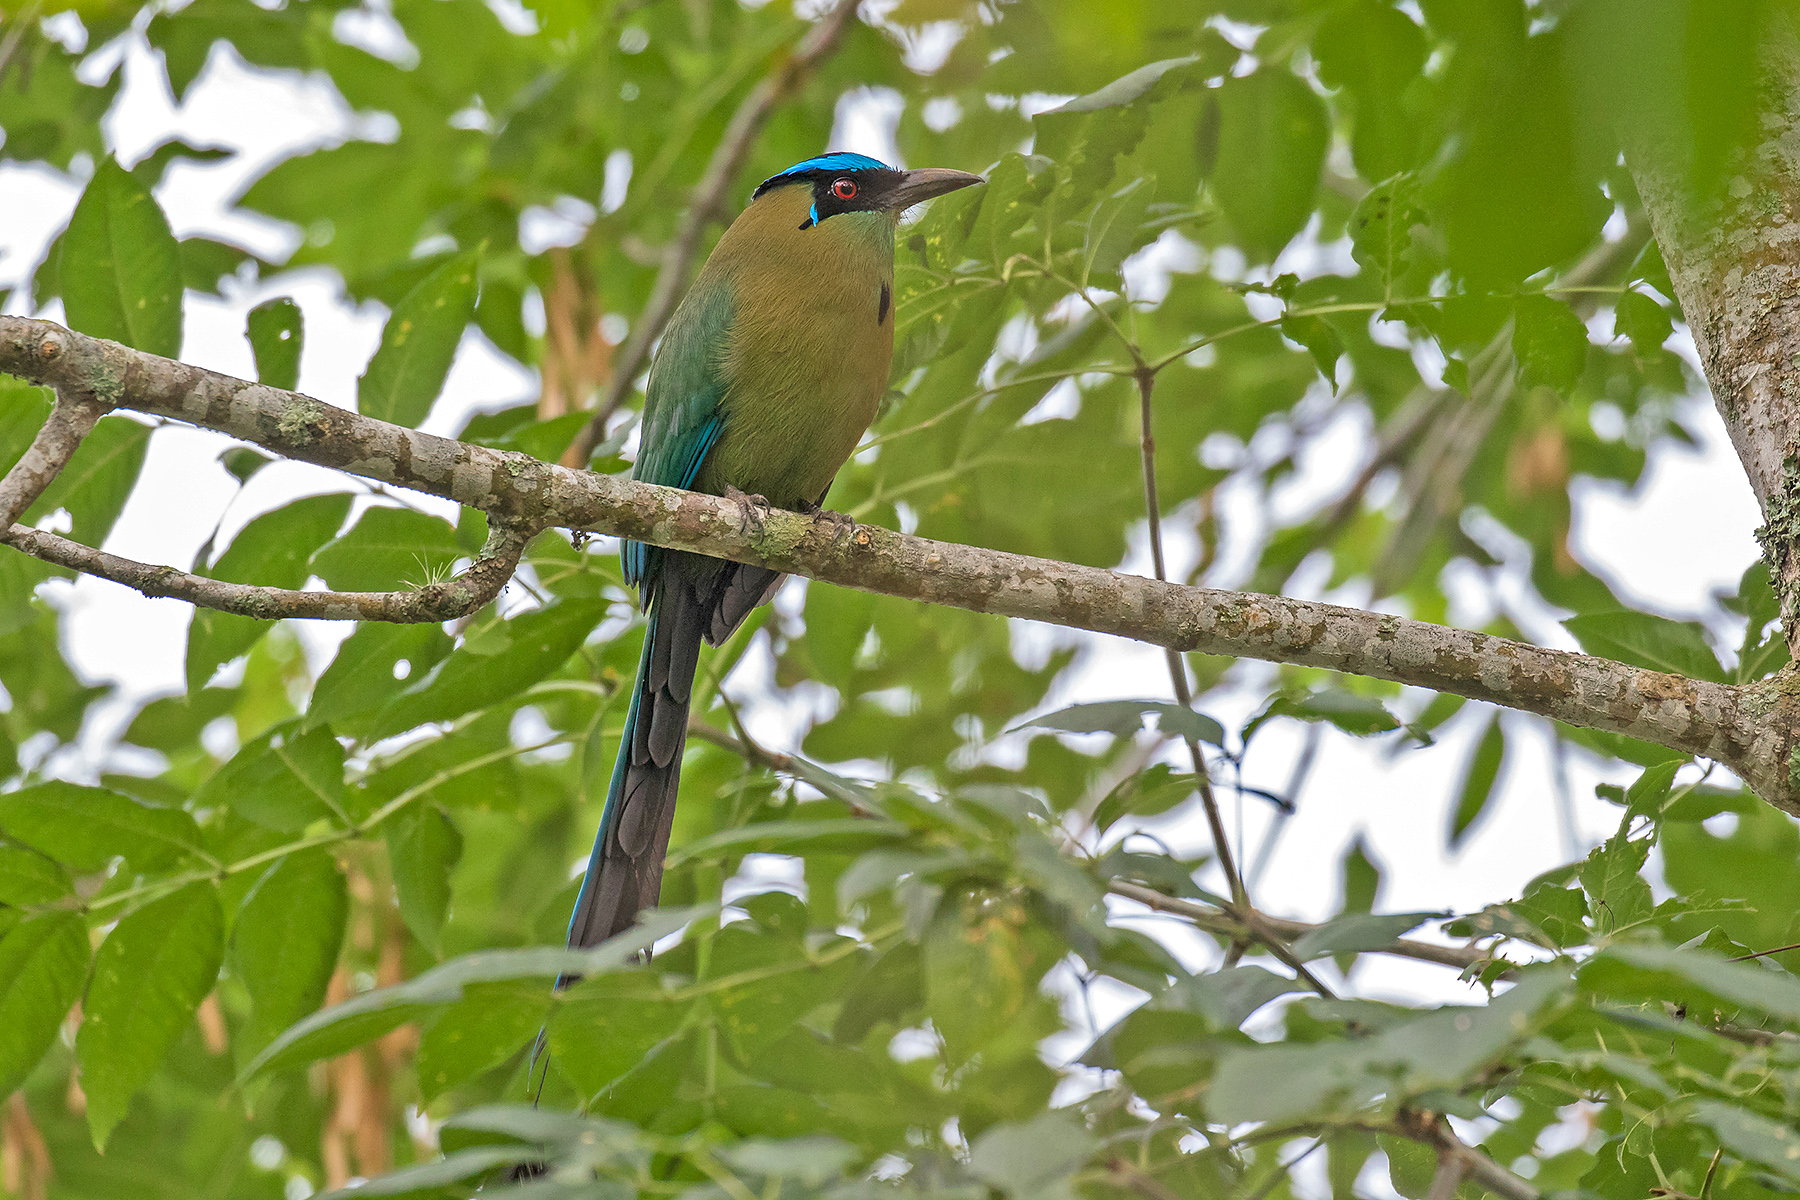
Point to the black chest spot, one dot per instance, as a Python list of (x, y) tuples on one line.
[(881, 311)]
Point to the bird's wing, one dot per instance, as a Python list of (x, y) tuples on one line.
[(684, 410)]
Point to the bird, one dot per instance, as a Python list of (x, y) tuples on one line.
[(766, 378)]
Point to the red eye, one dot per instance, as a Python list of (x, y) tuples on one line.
[(844, 189)]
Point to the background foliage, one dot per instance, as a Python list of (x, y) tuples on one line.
[(1280, 211)]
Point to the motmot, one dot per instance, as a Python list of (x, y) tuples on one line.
[(765, 380)]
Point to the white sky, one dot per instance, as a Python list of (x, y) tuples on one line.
[(1685, 532)]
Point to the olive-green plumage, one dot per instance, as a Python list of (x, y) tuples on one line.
[(768, 374)]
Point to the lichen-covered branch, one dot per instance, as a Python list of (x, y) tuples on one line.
[(1747, 728), (1733, 252)]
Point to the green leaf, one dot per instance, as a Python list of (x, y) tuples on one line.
[(28, 878), (284, 780), (388, 549), (423, 846), (1478, 782), (1617, 894), (86, 827), (1360, 716), (1032, 1160), (1550, 341), (1355, 932), (1643, 320), (94, 486), (1225, 998), (276, 331), (1272, 136), (174, 722), (541, 641), (243, 462), (373, 665), (429, 1178), (838, 835), (1657, 972), (492, 1023), (1375, 52), (1123, 718), (285, 940), (1381, 227), (1362, 878), (368, 1016), (43, 963), (1111, 233), (1321, 341), (1753, 1138), (418, 344), (1644, 640), (120, 270), (149, 976), (273, 550), (1148, 793)]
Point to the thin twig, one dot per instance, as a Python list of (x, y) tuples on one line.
[(1478, 1166), (820, 42), (1765, 953), (1219, 921)]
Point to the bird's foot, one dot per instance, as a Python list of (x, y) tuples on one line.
[(841, 524), (752, 509)]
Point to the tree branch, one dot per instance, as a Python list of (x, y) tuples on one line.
[(473, 589), (820, 42), (56, 442), (1747, 728)]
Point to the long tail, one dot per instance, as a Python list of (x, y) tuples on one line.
[(624, 873)]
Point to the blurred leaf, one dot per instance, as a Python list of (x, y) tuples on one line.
[(1360, 716), (1032, 1160), (418, 344), (368, 1016), (1643, 320), (43, 964), (1753, 1138), (1381, 227), (285, 939), (150, 974), (1123, 718), (1272, 136), (1645, 640), (120, 271), (28, 878), (1478, 782), (276, 330), (1356, 931), (423, 845), (243, 462), (1549, 340)]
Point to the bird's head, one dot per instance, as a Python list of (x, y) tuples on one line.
[(844, 183)]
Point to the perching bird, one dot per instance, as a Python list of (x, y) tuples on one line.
[(767, 376)]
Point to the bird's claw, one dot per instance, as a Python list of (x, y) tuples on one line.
[(751, 509), (841, 524)]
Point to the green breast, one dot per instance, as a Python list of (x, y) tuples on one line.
[(806, 352)]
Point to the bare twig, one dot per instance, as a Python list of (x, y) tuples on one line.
[(56, 442), (1219, 921), (1764, 953), (452, 598), (770, 92), (1750, 728)]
